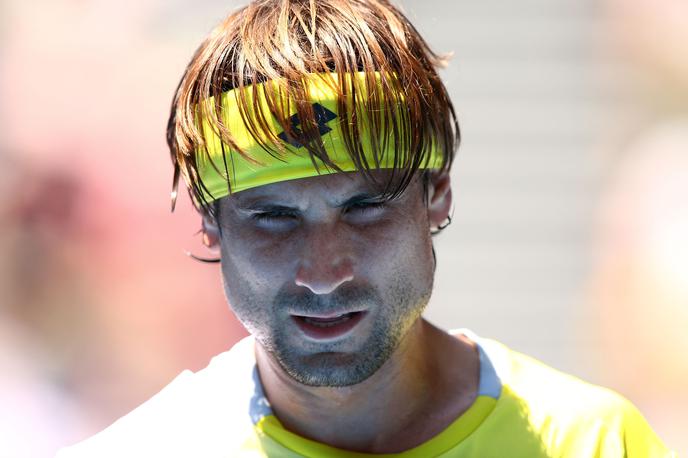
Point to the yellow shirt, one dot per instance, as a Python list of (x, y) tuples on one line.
[(523, 409)]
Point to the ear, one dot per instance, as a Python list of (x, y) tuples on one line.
[(211, 234), (439, 198)]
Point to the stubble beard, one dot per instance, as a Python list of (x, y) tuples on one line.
[(328, 367)]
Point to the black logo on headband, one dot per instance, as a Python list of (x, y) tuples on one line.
[(322, 116)]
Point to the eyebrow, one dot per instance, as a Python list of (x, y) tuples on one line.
[(362, 197), (263, 204), (260, 207)]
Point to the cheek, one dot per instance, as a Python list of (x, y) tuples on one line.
[(401, 251), (253, 270)]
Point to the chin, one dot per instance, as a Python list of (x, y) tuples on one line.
[(333, 370)]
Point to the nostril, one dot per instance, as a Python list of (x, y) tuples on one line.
[(324, 280)]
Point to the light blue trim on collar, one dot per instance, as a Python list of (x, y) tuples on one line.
[(259, 406), (490, 383)]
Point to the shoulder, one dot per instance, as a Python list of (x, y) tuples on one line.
[(567, 415), (193, 414)]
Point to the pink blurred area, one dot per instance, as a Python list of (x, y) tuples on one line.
[(99, 305)]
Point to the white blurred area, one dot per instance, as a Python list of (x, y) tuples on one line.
[(639, 282), (570, 232)]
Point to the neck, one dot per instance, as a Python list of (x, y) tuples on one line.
[(429, 380)]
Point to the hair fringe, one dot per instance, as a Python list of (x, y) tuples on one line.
[(283, 40)]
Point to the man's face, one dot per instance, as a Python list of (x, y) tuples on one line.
[(325, 276)]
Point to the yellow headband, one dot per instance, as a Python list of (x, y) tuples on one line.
[(221, 168)]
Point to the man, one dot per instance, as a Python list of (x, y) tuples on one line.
[(316, 138)]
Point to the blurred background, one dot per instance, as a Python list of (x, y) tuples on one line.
[(570, 232)]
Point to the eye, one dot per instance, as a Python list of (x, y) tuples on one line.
[(366, 210), (274, 219)]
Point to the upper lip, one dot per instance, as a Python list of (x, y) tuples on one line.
[(325, 315)]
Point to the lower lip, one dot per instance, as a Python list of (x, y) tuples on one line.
[(328, 331)]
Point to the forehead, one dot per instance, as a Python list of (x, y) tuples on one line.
[(333, 188)]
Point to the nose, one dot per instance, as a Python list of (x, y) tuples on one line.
[(325, 262)]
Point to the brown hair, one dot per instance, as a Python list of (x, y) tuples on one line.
[(283, 40)]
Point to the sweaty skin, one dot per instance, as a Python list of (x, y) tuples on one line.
[(327, 245)]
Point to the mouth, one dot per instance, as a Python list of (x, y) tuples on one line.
[(327, 327)]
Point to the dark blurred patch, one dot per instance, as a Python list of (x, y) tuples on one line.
[(46, 293), (48, 203)]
